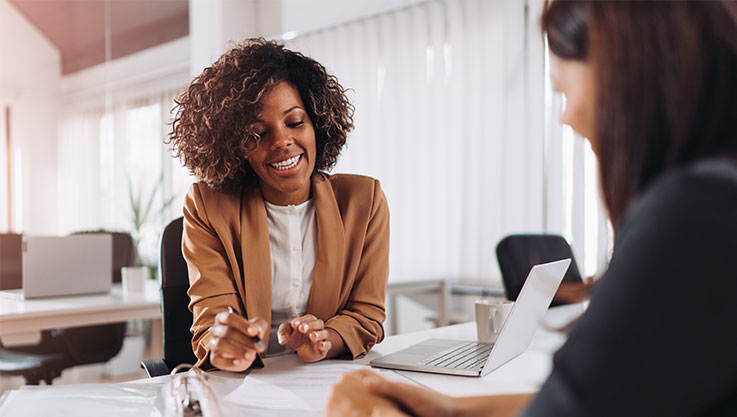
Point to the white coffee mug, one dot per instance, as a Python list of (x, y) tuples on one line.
[(490, 318), (133, 278)]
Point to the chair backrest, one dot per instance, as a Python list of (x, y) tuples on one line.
[(11, 265), (517, 254), (88, 344), (177, 319)]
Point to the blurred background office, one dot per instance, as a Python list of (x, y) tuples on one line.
[(454, 114)]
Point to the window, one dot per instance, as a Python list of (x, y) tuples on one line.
[(115, 163), (574, 205)]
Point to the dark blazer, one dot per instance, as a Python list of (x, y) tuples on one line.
[(226, 245)]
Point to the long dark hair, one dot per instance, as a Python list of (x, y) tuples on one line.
[(666, 80)]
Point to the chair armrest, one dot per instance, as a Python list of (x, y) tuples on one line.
[(158, 367), (155, 367)]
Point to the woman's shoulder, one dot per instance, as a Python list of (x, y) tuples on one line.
[(351, 184), (349, 180), (690, 208), (352, 192), (692, 191), (715, 173), (201, 193)]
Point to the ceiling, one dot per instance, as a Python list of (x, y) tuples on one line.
[(77, 27)]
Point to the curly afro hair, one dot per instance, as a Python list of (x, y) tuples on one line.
[(212, 133)]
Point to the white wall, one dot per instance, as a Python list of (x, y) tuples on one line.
[(213, 24), (29, 82), (160, 68), (307, 16)]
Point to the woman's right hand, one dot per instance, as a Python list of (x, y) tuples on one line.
[(231, 346), (365, 393)]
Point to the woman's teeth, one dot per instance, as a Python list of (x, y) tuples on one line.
[(287, 163)]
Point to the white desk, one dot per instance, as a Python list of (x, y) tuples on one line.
[(525, 373), (21, 321)]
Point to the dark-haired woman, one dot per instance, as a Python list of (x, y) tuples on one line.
[(653, 86), (300, 256)]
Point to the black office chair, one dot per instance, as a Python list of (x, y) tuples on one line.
[(100, 343), (176, 317), (64, 348), (517, 254), (33, 367)]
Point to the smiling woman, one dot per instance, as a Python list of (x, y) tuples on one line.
[(286, 158), (302, 255)]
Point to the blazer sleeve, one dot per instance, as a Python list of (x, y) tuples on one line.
[(360, 321), (212, 288)]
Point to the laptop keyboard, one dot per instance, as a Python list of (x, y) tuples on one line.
[(469, 355)]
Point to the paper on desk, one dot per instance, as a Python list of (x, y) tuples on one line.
[(141, 400), (300, 391)]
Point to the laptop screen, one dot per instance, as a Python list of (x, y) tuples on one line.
[(67, 265)]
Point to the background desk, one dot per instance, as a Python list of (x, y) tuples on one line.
[(21, 321), (442, 291), (525, 373)]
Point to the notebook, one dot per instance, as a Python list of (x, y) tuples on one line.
[(67, 265), (455, 357)]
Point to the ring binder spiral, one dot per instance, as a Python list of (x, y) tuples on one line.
[(190, 394)]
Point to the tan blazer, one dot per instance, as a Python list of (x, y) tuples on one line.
[(226, 245)]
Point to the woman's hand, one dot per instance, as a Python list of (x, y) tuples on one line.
[(364, 393), (350, 398), (308, 336), (232, 347), (360, 390)]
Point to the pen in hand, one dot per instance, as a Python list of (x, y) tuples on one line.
[(255, 339)]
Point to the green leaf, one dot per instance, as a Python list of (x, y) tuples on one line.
[(142, 210), (150, 203)]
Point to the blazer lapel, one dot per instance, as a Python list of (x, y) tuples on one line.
[(256, 257), (327, 277)]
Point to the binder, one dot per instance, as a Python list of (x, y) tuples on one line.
[(190, 394)]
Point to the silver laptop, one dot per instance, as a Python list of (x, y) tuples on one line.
[(67, 265), (456, 357)]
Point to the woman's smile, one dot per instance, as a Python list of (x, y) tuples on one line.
[(287, 166)]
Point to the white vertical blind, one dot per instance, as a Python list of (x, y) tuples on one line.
[(442, 100), (574, 207)]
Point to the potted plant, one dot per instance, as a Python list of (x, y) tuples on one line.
[(143, 211)]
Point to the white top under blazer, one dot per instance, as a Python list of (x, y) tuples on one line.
[(293, 246)]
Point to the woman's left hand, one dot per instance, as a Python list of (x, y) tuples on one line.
[(308, 336)]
